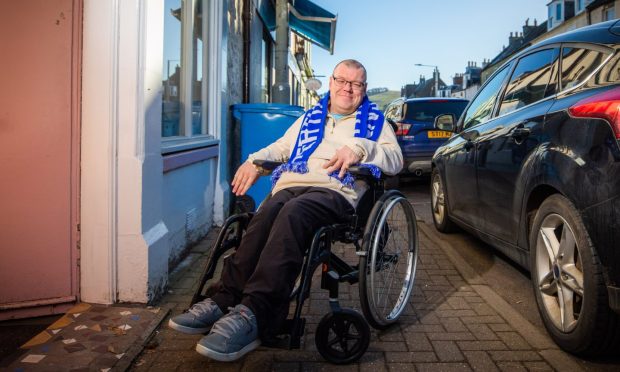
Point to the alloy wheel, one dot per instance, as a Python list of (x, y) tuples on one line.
[(560, 272), (437, 199)]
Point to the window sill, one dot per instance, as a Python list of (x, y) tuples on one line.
[(171, 145), (180, 152)]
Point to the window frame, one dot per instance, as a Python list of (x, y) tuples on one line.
[(605, 14), (186, 140), (509, 66), (516, 62), (598, 48)]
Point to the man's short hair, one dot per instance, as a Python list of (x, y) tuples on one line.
[(353, 63)]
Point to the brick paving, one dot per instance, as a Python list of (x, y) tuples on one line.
[(454, 322)]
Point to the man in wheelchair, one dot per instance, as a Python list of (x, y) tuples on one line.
[(311, 189)]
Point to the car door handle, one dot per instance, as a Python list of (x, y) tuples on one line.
[(520, 133)]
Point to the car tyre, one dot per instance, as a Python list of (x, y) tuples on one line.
[(567, 277), (439, 205)]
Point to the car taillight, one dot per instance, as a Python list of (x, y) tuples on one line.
[(402, 129), (605, 105)]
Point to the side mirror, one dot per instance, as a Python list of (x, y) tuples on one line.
[(445, 122)]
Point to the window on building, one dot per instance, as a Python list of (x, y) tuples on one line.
[(184, 101), (534, 78), (609, 12), (558, 12), (579, 6), (266, 67), (481, 108)]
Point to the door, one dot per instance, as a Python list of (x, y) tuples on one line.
[(506, 141), (38, 155), (459, 164)]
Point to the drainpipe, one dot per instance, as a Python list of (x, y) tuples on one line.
[(247, 18), (281, 90)]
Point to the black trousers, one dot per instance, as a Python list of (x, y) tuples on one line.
[(262, 272)]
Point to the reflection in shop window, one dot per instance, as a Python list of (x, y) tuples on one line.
[(171, 109), (182, 80)]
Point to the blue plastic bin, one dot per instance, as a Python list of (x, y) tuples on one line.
[(262, 124)]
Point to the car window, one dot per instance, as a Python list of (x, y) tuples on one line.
[(534, 78), (578, 64), (427, 111), (481, 107)]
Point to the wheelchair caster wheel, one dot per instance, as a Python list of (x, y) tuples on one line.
[(342, 337)]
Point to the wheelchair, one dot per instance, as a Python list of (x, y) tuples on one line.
[(384, 233)]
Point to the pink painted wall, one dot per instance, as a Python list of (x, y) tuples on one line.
[(39, 133)]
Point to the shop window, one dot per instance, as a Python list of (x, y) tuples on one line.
[(184, 86)]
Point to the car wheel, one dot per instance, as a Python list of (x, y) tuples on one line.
[(439, 207), (568, 281)]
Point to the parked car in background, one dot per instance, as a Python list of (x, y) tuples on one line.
[(534, 169), (413, 121)]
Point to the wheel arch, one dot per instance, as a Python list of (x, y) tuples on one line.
[(534, 199)]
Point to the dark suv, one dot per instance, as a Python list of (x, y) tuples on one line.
[(413, 120), (534, 169)]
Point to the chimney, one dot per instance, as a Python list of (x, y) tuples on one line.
[(514, 39)]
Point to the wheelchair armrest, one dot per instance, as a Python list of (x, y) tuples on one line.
[(267, 164), (360, 171)]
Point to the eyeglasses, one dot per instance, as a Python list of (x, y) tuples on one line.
[(355, 85)]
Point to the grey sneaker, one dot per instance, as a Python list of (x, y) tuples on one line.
[(198, 319), (231, 337)]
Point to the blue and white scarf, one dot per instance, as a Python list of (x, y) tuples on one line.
[(368, 124)]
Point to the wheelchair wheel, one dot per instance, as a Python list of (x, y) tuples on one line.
[(342, 337), (227, 242), (387, 270)]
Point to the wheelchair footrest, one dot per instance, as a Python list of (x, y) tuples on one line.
[(286, 338)]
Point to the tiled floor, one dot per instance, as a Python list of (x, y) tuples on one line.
[(89, 338)]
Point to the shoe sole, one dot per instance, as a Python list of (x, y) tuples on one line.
[(185, 329), (221, 357)]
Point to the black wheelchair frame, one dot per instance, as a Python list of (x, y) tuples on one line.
[(343, 335)]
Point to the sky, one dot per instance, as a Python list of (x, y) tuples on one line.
[(390, 36)]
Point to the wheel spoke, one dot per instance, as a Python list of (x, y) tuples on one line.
[(573, 278), (567, 245), (565, 298), (333, 341), (561, 304), (550, 241), (548, 285), (435, 197)]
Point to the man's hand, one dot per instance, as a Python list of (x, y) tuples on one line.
[(343, 159), (245, 177)]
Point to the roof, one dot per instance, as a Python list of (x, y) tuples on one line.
[(425, 88), (523, 43)]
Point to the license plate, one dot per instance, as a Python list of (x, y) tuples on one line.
[(439, 134)]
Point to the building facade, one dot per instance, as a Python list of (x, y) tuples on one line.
[(133, 142)]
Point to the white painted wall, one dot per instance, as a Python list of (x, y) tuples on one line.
[(135, 219), (121, 83)]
